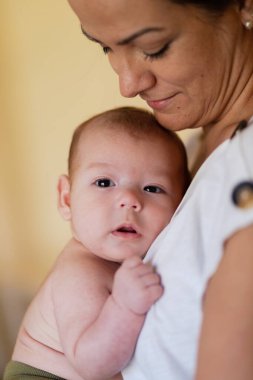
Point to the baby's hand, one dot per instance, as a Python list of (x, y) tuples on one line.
[(136, 285)]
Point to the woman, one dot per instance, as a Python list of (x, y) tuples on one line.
[(192, 62)]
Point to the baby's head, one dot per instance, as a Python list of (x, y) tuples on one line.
[(126, 176)]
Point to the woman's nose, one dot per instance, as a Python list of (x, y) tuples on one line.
[(134, 78), (131, 84), (130, 200)]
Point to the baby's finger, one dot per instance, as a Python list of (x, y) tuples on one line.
[(155, 292), (151, 279), (132, 262), (143, 270)]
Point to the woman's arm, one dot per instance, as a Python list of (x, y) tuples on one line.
[(226, 341)]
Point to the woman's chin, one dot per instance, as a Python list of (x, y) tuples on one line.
[(177, 121)]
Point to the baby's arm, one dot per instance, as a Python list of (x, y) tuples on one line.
[(136, 287), (226, 342), (99, 339)]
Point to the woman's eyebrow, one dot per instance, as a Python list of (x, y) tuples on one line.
[(138, 34), (88, 36), (128, 39)]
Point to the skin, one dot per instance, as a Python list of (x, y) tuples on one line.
[(205, 80), (171, 83), (127, 194), (86, 317)]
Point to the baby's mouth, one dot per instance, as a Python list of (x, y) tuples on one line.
[(130, 230), (126, 231)]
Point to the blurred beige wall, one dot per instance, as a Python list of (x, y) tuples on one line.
[(51, 78)]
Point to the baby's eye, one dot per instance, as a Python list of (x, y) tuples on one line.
[(104, 182), (159, 53), (153, 189)]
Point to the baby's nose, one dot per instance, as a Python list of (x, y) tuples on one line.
[(130, 200)]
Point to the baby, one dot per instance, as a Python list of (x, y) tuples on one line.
[(126, 177)]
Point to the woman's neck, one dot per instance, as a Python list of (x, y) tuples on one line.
[(216, 133), (236, 103)]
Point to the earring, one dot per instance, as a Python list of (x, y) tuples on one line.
[(248, 24)]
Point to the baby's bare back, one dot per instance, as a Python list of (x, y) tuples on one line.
[(40, 343)]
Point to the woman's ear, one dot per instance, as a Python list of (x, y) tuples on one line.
[(63, 189), (247, 14)]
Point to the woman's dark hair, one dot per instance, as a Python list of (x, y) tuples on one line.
[(216, 6)]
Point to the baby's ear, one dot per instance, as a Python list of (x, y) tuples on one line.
[(63, 189)]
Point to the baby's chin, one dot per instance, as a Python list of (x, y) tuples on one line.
[(114, 253), (119, 258), (122, 257)]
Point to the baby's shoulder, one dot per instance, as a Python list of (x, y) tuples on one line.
[(83, 268)]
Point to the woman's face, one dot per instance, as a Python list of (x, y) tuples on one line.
[(177, 58)]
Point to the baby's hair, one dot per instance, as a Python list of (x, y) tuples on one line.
[(137, 122)]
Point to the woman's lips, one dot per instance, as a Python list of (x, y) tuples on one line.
[(160, 104)]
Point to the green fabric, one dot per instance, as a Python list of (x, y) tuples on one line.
[(20, 371)]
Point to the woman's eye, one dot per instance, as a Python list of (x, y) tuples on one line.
[(106, 49), (153, 189), (158, 54), (104, 182)]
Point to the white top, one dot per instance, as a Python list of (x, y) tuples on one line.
[(186, 255)]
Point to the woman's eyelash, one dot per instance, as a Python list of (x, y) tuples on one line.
[(105, 49), (157, 54)]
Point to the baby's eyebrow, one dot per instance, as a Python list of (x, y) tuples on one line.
[(128, 39), (99, 165)]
